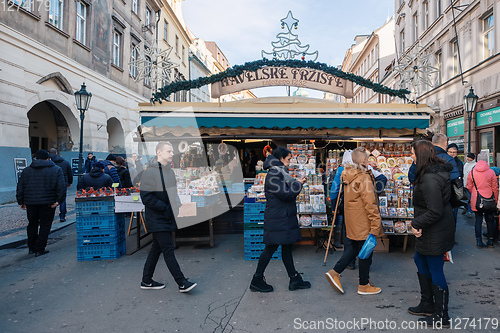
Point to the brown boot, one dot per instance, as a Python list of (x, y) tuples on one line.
[(334, 279)]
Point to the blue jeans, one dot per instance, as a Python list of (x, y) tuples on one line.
[(432, 267), (490, 223), (62, 209), (469, 210)]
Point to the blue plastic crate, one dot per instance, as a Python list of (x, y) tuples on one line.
[(103, 237), (254, 255), (238, 188), (95, 207), (253, 235), (254, 208), (100, 252), (253, 218), (99, 221), (204, 200), (253, 226)]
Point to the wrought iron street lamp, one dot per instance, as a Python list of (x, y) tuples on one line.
[(470, 102), (82, 98)]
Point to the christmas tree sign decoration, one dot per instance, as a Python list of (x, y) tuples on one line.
[(288, 46)]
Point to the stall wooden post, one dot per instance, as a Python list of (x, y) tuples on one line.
[(333, 224)]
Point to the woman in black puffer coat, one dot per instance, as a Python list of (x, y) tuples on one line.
[(281, 226), (434, 229)]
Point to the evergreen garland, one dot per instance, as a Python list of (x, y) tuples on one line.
[(163, 93)]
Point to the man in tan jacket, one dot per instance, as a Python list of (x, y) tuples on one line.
[(362, 217)]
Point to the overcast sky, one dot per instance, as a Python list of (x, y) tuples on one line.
[(243, 28)]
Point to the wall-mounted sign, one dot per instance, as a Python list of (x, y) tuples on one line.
[(19, 165), (455, 127), (74, 166), (283, 76), (491, 116)]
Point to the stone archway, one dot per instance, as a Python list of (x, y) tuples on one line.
[(51, 124), (116, 136)]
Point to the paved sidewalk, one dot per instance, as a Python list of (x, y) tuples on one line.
[(56, 293)]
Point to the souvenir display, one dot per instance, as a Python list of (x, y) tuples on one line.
[(400, 227), (388, 226)]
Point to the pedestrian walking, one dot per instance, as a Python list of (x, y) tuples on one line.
[(110, 168), (159, 196), (138, 163), (89, 162), (281, 226), (469, 164), (434, 229), (68, 177), (361, 218), (123, 172), (40, 189), (132, 169), (483, 180), (95, 179)]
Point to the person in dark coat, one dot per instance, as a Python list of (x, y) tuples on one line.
[(123, 173), (161, 201), (95, 179), (40, 189), (281, 226), (138, 163), (452, 150), (89, 163), (110, 168), (68, 177), (434, 229)]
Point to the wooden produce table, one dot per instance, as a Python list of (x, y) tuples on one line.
[(186, 221)]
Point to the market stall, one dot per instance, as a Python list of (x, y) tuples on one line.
[(318, 130)]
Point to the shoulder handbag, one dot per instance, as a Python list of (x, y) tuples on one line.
[(458, 196), (483, 204)]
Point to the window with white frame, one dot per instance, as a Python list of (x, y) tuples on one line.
[(415, 27), (439, 9), (488, 36), (133, 61), (426, 15), (135, 6), (454, 53), (56, 13), (117, 40), (149, 13), (81, 22), (147, 72), (165, 30), (183, 53), (177, 45), (402, 40), (439, 66)]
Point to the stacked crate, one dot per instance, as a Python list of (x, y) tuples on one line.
[(100, 232), (253, 218)]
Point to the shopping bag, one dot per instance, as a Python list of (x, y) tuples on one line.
[(448, 257), (368, 247)]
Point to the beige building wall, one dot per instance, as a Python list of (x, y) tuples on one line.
[(429, 27)]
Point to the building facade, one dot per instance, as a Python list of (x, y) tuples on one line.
[(460, 37), (49, 48), (371, 57)]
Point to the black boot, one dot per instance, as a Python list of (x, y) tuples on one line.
[(480, 243), (296, 282), (440, 317), (426, 306), (259, 284), (490, 243)]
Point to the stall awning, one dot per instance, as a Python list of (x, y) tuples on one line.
[(285, 113), (343, 120)]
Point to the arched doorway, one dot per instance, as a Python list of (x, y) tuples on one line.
[(50, 124), (116, 137)]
